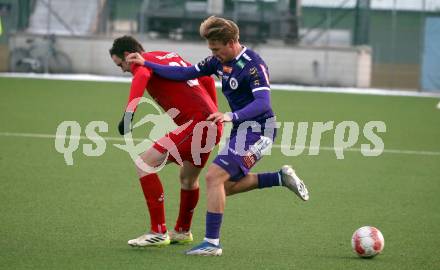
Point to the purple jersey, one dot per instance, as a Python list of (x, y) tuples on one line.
[(241, 78)]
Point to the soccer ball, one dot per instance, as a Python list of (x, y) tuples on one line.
[(367, 241)]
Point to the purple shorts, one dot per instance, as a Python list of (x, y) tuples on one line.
[(241, 153)]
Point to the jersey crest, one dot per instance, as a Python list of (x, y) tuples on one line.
[(233, 83)]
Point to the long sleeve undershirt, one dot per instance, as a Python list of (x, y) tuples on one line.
[(260, 105), (175, 73)]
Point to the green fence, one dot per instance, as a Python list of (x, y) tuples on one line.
[(395, 36)]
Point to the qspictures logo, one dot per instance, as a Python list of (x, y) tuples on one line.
[(346, 134)]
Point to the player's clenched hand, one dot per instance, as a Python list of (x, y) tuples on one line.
[(220, 117), (135, 58)]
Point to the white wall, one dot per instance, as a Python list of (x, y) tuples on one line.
[(349, 67)]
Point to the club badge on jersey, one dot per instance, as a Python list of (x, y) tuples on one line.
[(233, 83)]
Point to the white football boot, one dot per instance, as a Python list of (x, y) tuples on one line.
[(150, 239), (181, 237), (205, 249), (293, 182)]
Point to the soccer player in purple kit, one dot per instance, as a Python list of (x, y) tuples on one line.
[(245, 83)]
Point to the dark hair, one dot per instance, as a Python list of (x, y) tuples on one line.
[(125, 44)]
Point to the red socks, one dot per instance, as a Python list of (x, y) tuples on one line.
[(188, 201), (153, 192)]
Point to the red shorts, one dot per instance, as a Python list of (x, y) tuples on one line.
[(180, 146)]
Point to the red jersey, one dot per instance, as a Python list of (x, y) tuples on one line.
[(195, 99)]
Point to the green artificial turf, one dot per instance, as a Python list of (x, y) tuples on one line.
[(54, 216)]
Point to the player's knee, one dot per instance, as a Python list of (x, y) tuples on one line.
[(187, 182), (210, 179), (213, 178)]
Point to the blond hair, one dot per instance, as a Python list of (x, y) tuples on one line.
[(219, 29)]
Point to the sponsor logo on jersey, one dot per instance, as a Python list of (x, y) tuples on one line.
[(254, 75), (167, 56), (253, 71), (233, 83), (227, 69), (249, 159), (256, 151), (246, 57), (240, 64), (262, 145)]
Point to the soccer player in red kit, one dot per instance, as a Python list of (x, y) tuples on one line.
[(195, 100)]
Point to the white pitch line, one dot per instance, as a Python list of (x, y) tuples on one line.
[(121, 139), (67, 77), (53, 136), (389, 151), (281, 87)]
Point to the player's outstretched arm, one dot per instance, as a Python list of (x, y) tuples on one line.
[(175, 73), (220, 117), (260, 105)]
